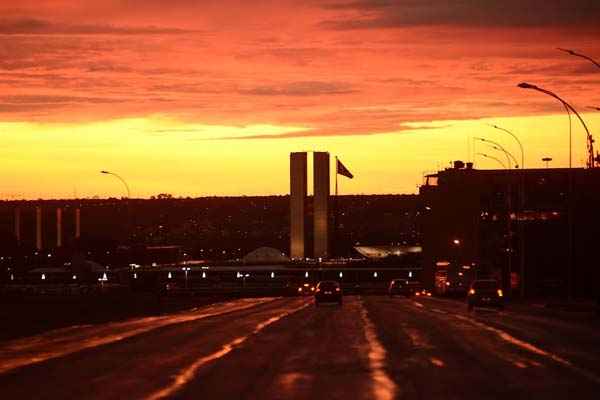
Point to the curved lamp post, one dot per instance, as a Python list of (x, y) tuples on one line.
[(573, 53), (499, 147), (119, 178), (493, 158), (518, 141), (590, 139)]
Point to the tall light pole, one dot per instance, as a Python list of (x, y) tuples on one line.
[(119, 178), (573, 53), (509, 157), (590, 139), (522, 207), (129, 213), (590, 164)]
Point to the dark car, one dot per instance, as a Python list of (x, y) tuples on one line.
[(328, 292), (485, 292), (399, 287)]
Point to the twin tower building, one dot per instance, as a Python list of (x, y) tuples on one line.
[(298, 206)]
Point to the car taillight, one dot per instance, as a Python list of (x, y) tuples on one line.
[(417, 293), (500, 294), (337, 289), (471, 291)]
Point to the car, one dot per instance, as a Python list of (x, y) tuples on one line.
[(485, 292), (328, 292), (399, 287), (306, 289)]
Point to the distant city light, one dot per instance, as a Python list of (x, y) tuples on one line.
[(272, 275), (341, 274), (43, 277), (12, 277), (203, 274), (169, 276), (410, 274), (135, 275), (374, 274), (74, 277), (306, 274)]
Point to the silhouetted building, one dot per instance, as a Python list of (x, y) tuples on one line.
[(321, 205), (297, 204), (537, 227)]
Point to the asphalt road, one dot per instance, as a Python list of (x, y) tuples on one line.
[(286, 348)]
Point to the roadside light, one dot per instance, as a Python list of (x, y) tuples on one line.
[(410, 274), (43, 277), (203, 274), (471, 291), (417, 293), (104, 277), (306, 274), (272, 275), (341, 274), (135, 275), (456, 242), (428, 294), (447, 283), (12, 277), (74, 277), (375, 274), (500, 294), (299, 289), (169, 276), (337, 289)]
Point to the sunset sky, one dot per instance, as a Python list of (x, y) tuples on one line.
[(209, 97)]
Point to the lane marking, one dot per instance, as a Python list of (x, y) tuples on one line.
[(383, 387), (418, 304), (53, 344), (188, 373), (532, 348)]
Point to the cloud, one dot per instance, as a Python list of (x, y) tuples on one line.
[(377, 14), (304, 88), (32, 26)]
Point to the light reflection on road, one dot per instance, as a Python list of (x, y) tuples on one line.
[(60, 342)]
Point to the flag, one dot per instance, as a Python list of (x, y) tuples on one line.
[(342, 170)]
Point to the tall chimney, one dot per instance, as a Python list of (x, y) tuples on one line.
[(59, 227), (77, 223), (38, 228)]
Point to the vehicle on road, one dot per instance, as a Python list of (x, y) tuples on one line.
[(306, 289), (485, 292), (403, 287), (328, 292)]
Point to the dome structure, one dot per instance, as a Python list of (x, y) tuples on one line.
[(265, 255)]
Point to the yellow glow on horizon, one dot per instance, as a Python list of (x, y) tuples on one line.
[(164, 155)]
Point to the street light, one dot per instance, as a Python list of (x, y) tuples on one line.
[(514, 137), (119, 178), (493, 158), (573, 53), (590, 140)]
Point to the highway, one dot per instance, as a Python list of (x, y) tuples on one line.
[(372, 347)]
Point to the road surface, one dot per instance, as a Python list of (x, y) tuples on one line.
[(373, 347)]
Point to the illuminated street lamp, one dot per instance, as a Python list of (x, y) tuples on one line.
[(456, 242)]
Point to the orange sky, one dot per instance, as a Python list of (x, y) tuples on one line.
[(209, 97)]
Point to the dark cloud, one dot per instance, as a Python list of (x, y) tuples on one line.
[(376, 14), (32, 26), (306, 88)]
